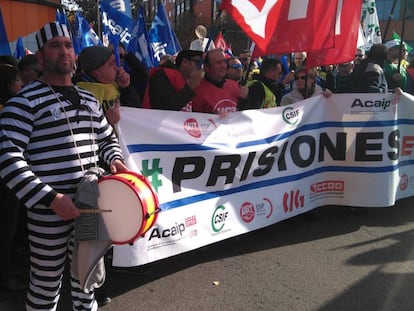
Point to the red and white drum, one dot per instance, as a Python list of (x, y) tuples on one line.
[(133, 204)]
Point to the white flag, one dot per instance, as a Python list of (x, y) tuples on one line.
[(370, 24)]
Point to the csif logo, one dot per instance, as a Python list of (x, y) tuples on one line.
[(218, 220), (291, 115)]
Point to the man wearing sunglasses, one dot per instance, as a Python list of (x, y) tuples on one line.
[(234, 69), (171, 86)]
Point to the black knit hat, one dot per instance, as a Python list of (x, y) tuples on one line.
[(93, 57)]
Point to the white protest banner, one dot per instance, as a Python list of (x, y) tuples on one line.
[(221, 177)]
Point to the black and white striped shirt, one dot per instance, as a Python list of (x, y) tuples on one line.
[(38, 156)]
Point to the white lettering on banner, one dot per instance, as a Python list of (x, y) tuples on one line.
[(119, 5), (349, 150), (338, 18), (256, 18), (328, 185), (159, 49), (124, 34), (298, 9)]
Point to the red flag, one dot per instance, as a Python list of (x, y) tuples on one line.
[(283, 26), (346, 36), (221, 43)]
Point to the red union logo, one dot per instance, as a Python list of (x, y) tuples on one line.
[(293, 200), (403, 182), (247, 212), (192, 128), (327, 185)]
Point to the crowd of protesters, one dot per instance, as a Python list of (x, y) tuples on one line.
[(193, 80)]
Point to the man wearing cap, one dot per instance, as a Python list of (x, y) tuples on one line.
[(98, 73), (50, 134), (171, 87), (394, 70)]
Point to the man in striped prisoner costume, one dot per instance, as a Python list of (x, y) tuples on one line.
[(50, 133)]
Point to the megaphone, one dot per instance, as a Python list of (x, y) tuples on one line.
[(201, 32)]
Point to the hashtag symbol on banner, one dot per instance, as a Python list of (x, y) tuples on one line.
[(153, 173)]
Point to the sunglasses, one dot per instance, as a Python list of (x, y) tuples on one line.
[(243, 59), (300, 78), (359, 55), (236, 66)]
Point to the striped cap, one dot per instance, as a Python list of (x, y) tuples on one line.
[(50, 31)]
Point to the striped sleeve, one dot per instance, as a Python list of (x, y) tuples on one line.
[(46, 143)]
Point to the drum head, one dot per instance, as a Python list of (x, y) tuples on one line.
[(126, 219)]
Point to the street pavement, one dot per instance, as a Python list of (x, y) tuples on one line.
[(331, 259)]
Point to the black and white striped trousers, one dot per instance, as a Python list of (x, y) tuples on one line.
[(51, 243)]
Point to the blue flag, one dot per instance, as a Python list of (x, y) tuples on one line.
[(19, 52), (114, 40), (4, 42), (162, 37), (115, 22), (139, 43), (84, 34), (123, 6), (61, 17)]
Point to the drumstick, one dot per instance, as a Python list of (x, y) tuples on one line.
[(94, 211)]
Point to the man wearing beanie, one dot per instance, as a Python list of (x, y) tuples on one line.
[(51, 133), (98, 73)]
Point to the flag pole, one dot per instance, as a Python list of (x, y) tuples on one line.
[(98, 20), (389, 19), (213, 28), (402, 34)]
